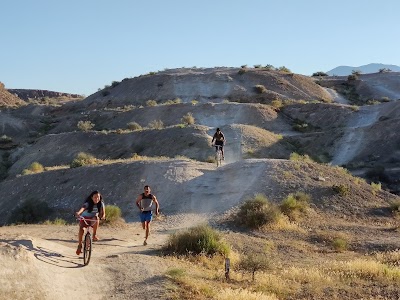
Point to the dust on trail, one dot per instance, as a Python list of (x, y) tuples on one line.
[(352, 140), (336, 97)]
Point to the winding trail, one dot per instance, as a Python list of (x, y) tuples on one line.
[(348, 146)]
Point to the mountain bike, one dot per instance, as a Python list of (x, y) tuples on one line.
[(87, 240)]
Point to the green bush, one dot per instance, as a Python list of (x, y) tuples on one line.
[(113, 214), (295, 204), (319, 73), (85, 125), (188, 119), (257, 212), (201, 239), (341, 189), (83, 159), (339, 244), (29, 212)]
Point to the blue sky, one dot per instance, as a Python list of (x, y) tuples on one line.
[(80, 46)]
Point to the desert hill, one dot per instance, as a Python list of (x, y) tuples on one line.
[(156, 129)]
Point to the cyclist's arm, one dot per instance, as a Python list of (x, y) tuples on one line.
[(79, 212), (157, 204), (103, 211)]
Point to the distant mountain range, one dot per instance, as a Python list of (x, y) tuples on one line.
[(370, 68)]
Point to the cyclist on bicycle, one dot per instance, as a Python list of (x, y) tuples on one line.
[(220, 140), (92, 210)]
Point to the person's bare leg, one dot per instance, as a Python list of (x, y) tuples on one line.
[(147, 225), (95, 227), (80, 235)]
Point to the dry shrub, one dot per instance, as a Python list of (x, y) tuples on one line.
[(188, 119), (257, 212), (243, 294), (85, 125), (35, 167), (156, 124), (84, 159), (134, 126)]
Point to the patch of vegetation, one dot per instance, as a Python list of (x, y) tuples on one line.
[(30, 212), (134, 126), (201, 239), (298, 157), (151, 103), (156, 124), (294, 205), (259, 88), (242, 71), (5, 139), (284, 69), (188, 119), (253, 263), (376, 187), (341, 189), (35, 167), (83, 159), (257, 212), (56, 221), (340, 244), (85, 125), (194, 102), (113, 214), (319, 74)]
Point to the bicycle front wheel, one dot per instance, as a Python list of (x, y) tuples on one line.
[(87, 248)]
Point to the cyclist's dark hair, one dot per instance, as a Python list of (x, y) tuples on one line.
[(90, 200), (218, 129)]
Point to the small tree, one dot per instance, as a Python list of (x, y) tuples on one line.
[(253, 263)]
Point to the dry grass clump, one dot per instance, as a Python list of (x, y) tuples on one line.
[(85, 125), (188, 119), (84, 159), (366, 269), (134, 126), (156, 124), (34, 168), (195, 241), (243, 294)]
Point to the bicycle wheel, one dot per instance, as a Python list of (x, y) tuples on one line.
[(87, 248)]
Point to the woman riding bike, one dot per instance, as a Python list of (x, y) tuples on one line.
[(92, 210)]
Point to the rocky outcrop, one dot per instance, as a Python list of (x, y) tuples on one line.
[(26, 94), (7, 99)]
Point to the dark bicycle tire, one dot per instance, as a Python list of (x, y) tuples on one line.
[(87, 248)]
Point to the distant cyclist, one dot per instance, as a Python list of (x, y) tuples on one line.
[(92, 210), (220, 140)]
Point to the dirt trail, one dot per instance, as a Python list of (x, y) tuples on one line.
[(348, 146)]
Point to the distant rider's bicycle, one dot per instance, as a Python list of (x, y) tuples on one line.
[(218, 155), (88, 240)]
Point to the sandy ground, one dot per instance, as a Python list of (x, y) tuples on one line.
[(39, 262)]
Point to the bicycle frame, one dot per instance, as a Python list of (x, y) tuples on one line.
[(218, 155), (88, 240)]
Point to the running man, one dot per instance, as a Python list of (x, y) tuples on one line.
[(145, 202)]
